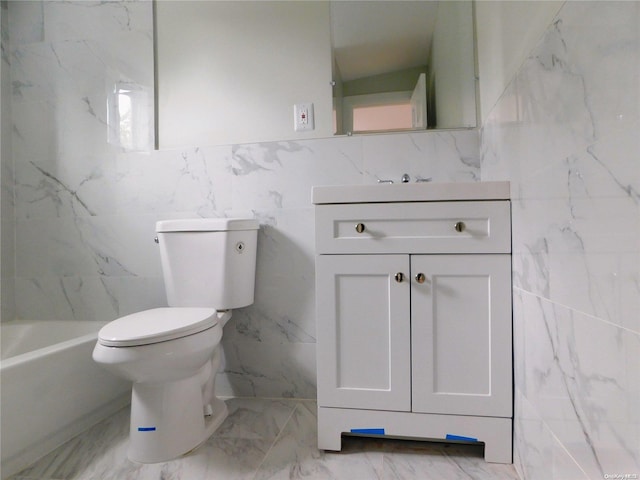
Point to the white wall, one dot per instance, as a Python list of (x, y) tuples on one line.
[(238, 89), (506, 33), (453, 64)]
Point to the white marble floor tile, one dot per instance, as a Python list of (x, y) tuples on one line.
[(295, 455), (264, 439), (434, 461), (256, 418)]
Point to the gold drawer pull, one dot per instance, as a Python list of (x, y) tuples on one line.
[(360, 227), (460, 227)]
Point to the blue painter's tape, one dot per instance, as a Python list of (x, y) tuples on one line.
[(146, 429), (368, 431), (460, 438)]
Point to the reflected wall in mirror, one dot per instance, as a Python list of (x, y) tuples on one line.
[(401, 65), (231, 72)]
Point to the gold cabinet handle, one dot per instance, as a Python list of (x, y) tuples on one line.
[(460, 227), (360, 227), (399, 277), (420, 277)]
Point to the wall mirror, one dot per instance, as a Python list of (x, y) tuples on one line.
[(232, 71)]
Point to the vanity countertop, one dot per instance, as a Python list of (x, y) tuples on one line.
[(410, 192)]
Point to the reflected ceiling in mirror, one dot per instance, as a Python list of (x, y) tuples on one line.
[(371, 38), (231, 71), (402, 65)]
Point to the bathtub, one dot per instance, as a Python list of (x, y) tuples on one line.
[(50, 390)]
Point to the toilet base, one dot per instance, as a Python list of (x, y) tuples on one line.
[(168, 419)]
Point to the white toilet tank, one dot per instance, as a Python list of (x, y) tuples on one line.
[(208, 262)]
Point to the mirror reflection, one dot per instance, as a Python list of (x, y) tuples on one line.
[(234, 71), (400, 65)]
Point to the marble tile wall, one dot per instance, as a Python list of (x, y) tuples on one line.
[(85, 208), (7, 223), (66, 59), (565, 133)]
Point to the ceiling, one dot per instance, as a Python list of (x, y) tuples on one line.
[(381, 36)]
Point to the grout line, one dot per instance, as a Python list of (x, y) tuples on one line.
[(291, 399), (551, 433), (278, 437), (580, 312)]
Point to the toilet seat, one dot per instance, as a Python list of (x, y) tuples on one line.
[(156, 325)]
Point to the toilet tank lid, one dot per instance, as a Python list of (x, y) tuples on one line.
[(206, 225)]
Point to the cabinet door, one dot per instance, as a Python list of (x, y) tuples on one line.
[(363, 335), (461, 335)]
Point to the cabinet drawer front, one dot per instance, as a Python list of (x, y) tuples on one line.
[(421, 227)]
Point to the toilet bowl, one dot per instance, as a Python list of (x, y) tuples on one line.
[(168, 354), (172, 354)]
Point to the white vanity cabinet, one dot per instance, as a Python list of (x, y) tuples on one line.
[(414, 330), (363, 332)]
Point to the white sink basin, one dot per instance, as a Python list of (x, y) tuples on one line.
[(410, 192)]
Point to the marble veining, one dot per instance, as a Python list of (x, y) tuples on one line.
[(265, 440), (565, 134), (85, 207)]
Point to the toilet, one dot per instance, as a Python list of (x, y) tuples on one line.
[(171, 354)]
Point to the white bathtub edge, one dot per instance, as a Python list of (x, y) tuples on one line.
[(23, 459), (11, 362)]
